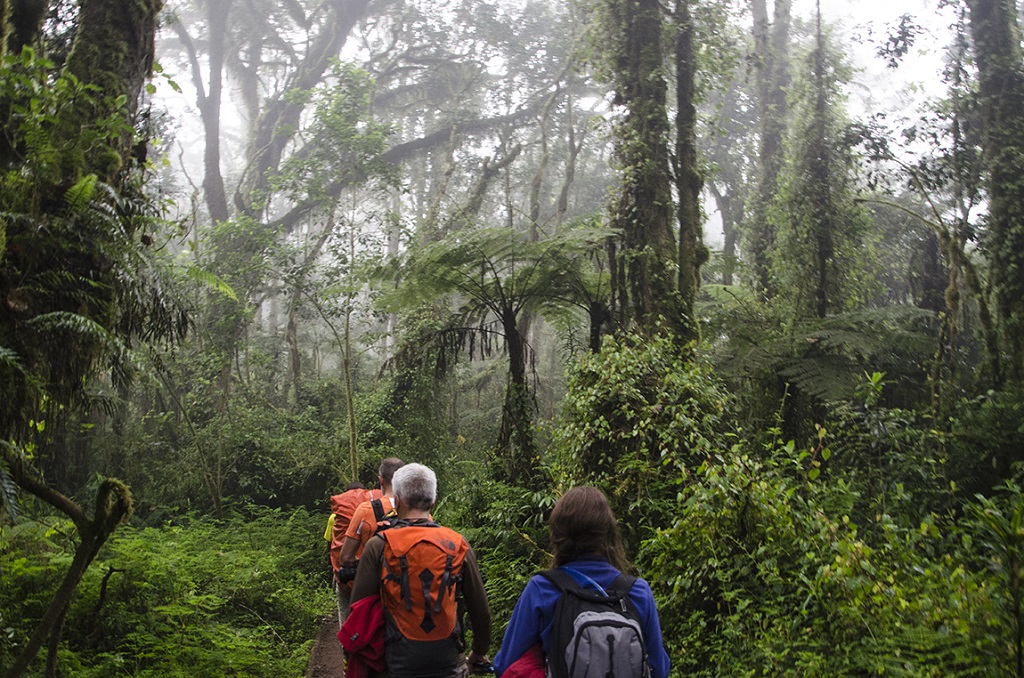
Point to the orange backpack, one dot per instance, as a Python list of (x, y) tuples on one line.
[(421, 574), (343, 506)]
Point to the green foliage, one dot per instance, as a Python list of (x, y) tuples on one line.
[(196, 597), (8, 490), (823, 261), (344, 143), (40, 103), (804, 367), (253, 452), (497, 270), (763, 572), (888, 456), (82, 285), (636, 419), (984, 435), (999, 524), (507, 529)]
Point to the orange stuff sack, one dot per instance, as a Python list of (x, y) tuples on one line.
[(421, 575), (343, 506)]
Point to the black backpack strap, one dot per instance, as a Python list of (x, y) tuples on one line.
[(622, 584), (378, 509), (562, 579), (618, 590)]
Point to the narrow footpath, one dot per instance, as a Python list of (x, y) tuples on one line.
[(327, 658)]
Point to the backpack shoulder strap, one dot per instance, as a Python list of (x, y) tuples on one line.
[(566, 583), (562, 579), (622, 584)]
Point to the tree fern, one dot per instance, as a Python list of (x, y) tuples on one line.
[(824, 358)]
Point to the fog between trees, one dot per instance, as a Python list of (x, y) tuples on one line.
[(250, 249)]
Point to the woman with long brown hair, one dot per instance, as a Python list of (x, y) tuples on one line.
[(587, 547)]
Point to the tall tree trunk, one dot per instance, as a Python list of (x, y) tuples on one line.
[(280, 118), (692, 253), (771, 46), (21, 22), (731, 210), (574, 146), (516, 434), (213, 180), (997, 45), (208, 99), (272, 133), (819, 166), (113, 50), (644, 209)]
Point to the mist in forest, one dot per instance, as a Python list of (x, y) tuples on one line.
[(754, 269)]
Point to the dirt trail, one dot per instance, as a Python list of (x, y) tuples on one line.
[(327, 659)]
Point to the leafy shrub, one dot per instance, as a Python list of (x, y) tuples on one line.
[(635, 418), (764, 573)]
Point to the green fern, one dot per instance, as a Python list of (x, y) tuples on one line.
[(210, 280), (8, 488), (825, 358), (78, 197), (922, 651)]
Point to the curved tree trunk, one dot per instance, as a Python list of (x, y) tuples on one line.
[(113, 505)]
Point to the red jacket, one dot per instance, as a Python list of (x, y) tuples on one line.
[(362, 636), (530, 665)]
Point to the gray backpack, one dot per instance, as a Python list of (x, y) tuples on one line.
[(595, 634)]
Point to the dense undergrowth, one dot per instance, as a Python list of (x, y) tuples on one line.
[(196, 596), (885, 543)]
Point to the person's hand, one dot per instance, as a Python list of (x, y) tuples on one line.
[(479, 664)]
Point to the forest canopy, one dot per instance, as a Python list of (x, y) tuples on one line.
[(753, 270)]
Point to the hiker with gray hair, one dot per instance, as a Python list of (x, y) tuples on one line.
[(422, 571)]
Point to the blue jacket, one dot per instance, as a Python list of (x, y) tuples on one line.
[(533, 616)]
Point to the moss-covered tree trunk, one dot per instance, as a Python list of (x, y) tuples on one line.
[(997, 44), (644, 210), (112, 51), (692, 253), (21, 22), (819, 169)]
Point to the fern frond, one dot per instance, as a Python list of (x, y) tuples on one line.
[(8, 488), (825, 358), (78, 197), (211, 281), (11, 359), (921, 651), (74, 324)]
